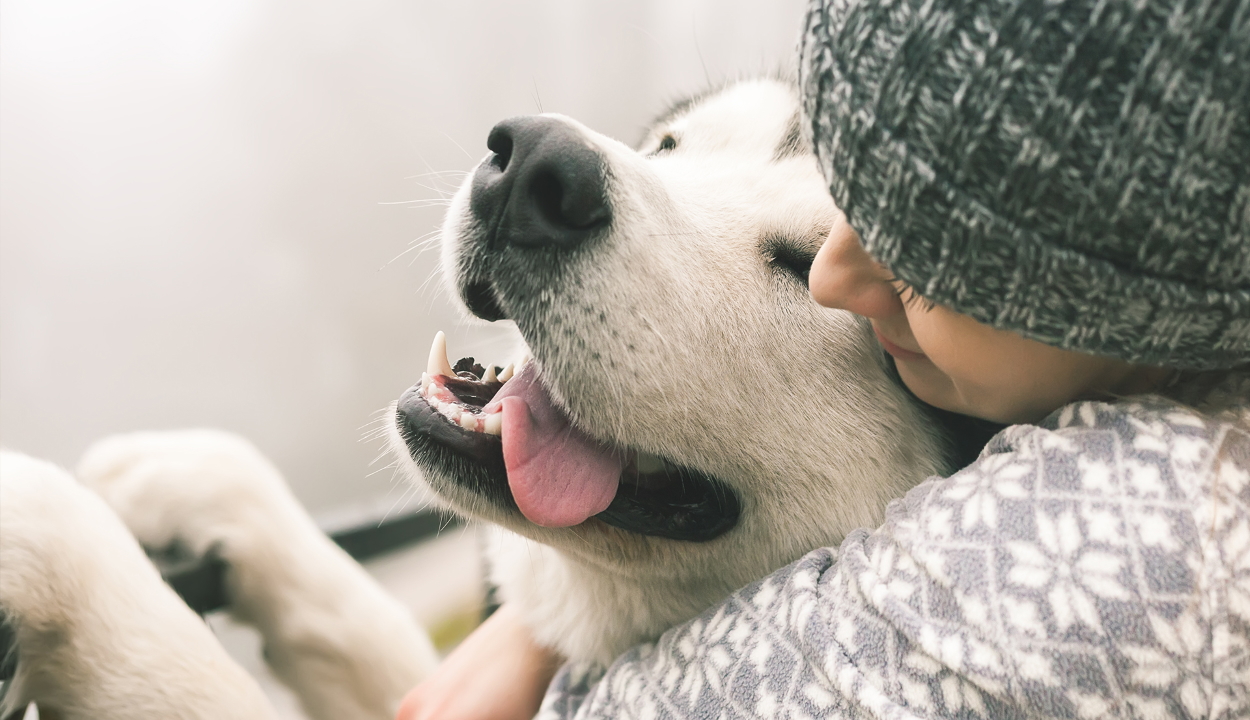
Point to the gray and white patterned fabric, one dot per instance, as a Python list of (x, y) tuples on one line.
[(1095, 566)]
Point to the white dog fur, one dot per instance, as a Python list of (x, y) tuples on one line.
[(705, 352), (100, 634), (330, 632), (710, 363)]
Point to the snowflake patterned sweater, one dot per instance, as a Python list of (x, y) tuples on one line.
[(1094, 566)]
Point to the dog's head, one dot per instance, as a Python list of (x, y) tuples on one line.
[(688, 409)]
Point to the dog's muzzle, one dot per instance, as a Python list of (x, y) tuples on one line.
[(539, 210)]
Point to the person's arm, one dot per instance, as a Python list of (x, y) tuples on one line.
[(497, 673)]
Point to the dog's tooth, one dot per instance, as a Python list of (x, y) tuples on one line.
[(468, 421), (425, 382), (439, 364), (494, 424), (506, 375), (490, 374)]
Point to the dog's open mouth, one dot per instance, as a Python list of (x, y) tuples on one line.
[(503, 422)]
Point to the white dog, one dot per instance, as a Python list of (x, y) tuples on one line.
[(689, 421)]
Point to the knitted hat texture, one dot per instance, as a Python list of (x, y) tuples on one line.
[(1076, 171)]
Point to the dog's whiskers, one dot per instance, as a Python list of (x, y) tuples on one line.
[(443, 192), (439, 173), (436, 174), (466, 152), (400, 503), (434, 273), (421, 202), (419, 245), (374, 461)]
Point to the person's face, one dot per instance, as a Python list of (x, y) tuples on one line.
[(950, 360)]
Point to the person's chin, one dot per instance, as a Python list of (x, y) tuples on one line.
[(940, 391), (930, 385)]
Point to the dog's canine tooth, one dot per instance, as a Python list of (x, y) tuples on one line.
[(490, 376), (494, 424), (425, 382), (438, 363), (506, 375)]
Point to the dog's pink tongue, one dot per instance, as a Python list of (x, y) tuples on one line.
[(559, 476)]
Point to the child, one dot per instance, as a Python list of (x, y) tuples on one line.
[(1047, 209)]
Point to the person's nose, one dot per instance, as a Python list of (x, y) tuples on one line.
[(845, 276)]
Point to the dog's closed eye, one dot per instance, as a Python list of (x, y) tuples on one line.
[(668, 143), (796, 262)]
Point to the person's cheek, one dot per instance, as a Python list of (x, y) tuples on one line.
[(1002, 377), (964, 370)]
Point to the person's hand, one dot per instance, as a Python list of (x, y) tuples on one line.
[(497, 673)]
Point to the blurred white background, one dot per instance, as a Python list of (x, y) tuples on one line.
[(208, 208)]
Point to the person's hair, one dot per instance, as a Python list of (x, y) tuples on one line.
[(1221, 394)]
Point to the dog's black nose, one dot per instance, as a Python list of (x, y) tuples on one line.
[(545, 185)]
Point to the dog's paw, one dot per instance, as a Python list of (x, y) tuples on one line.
[(331, 633), (197, 489)]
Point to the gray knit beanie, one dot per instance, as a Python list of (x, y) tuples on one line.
[(1075, 171)]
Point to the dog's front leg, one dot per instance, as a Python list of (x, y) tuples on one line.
[(99, 635), (330, 632)]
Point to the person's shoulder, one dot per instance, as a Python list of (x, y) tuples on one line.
[(1147, 441), (1150, 445), (1192, 406), (1222, 395), (1145, 451)]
